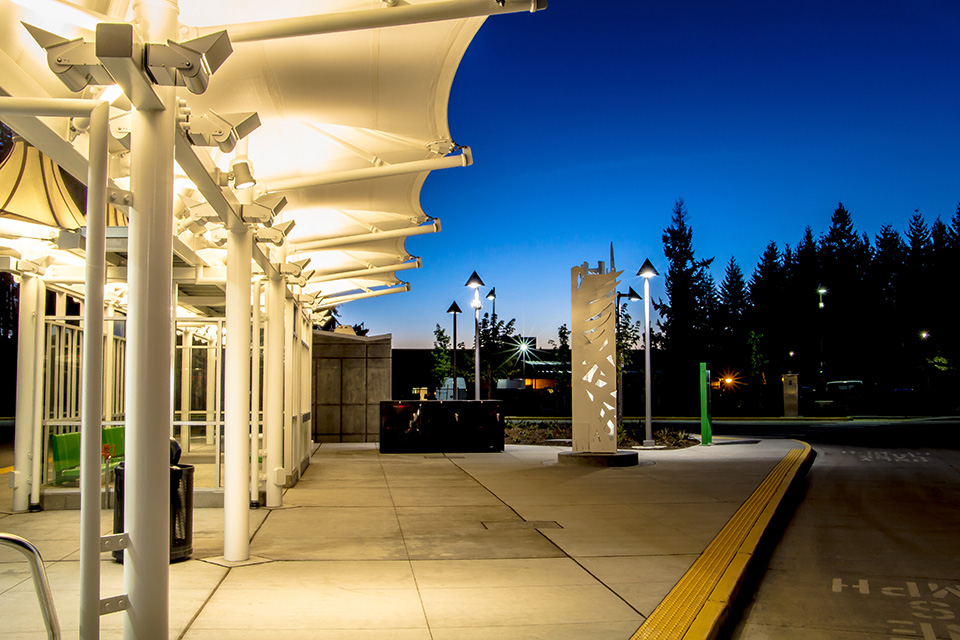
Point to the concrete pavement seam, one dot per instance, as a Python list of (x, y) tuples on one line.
[(699, 604)]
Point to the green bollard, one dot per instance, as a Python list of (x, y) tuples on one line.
[(706, 426)]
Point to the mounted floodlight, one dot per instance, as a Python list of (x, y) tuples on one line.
[(74, 61), (263, 209), (218, 237), (242, 175), (293, 268), (188, 64), (474, 282), (647, 270), (272, 235), (223, 131)]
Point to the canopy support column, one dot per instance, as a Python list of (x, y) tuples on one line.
[(27, 363), (236, 500), (273, 396)]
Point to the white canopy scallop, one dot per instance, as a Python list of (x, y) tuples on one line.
[(352, 105)]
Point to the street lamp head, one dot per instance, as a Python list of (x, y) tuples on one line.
[(633, 295), (474, 282), (924, 335), (647, 269), (454, 308), (821, 290), (493, 293)]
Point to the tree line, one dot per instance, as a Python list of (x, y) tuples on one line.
[(835, 307)]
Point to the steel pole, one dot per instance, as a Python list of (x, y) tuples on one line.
[(91, 422), (455, 357), (648, 428), (476, 353)]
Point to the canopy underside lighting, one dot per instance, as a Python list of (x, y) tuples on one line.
[(336, 118)]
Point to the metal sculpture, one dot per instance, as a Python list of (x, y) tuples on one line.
[(593, 345)]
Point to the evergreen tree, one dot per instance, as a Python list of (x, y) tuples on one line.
[(691, 294), (844, 258), (766, 293), (731, 319), (802, 322)]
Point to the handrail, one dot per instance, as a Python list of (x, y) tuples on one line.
[(40, 583)]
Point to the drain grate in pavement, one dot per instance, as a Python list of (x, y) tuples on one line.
[(522, 524)]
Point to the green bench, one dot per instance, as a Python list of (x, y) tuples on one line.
[(66, 453)]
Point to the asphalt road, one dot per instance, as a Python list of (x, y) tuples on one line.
[(873, 548)]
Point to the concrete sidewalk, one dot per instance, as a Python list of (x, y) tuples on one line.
[(448, 547)]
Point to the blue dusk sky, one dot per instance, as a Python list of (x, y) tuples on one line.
[(589, 119)]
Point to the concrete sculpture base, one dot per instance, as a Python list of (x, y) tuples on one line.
[(593, 459)]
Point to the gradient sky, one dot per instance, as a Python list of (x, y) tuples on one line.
[(588, 120)]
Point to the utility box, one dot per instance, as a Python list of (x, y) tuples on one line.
[(791, 395)]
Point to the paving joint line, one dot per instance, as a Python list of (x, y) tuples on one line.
[(555, 545)]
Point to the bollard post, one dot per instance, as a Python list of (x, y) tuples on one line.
[(706, 426)]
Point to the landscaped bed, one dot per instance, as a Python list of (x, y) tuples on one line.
[(559, 433)]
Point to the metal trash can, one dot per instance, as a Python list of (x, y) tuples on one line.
[(181, 508)]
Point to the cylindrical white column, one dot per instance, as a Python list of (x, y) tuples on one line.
[(186, 371), (213, 354), (109, 364), (36, 457), (255, 398), (146, 577), (236, 479), (26, 364), (290, 464), (273, 391), (91, 435)]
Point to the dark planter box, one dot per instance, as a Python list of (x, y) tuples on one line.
[(435, 426)]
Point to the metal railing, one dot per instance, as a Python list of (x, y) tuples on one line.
[(40, 584)]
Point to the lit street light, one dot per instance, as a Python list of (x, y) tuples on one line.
[(475, 283), (629, 295), (647, 271), (492, 297), (454, 310)]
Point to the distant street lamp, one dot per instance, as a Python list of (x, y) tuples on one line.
[(820, 291), (492, 297), (475, 283), (454, 310), (647, 271), (629, 295), (524, 348)]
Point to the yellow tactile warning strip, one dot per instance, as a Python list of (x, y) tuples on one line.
[(700, 602)]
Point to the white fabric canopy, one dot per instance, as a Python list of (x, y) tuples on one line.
[(351, 121)]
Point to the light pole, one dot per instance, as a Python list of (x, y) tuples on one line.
[(821, 290), (647, 271), (454, 310), (629, 295), (492, 297), (475, 283)]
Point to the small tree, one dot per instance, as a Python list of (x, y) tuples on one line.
[(629, 336), (441, 356)]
